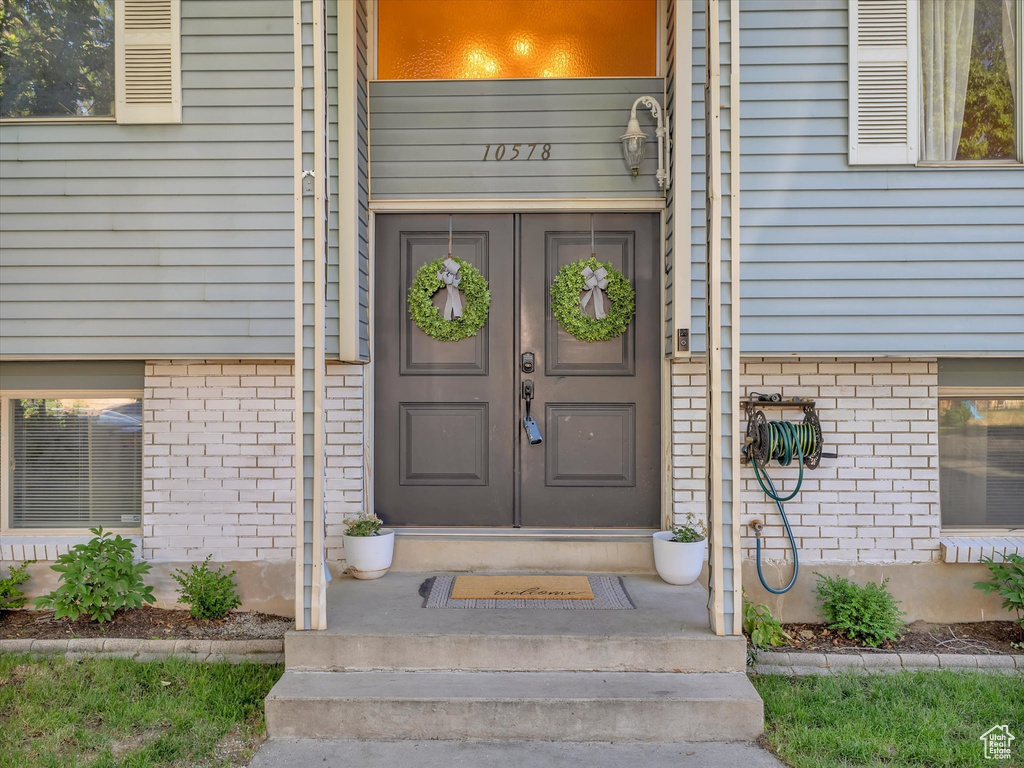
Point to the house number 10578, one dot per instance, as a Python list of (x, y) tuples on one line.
[(516, 152)]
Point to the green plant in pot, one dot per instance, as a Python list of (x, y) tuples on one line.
[(679, 552), (369, 548)]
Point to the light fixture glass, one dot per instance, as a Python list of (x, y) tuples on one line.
[(633, 141)]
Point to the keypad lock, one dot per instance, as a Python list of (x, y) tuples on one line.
[(530, 425), (528, 363)]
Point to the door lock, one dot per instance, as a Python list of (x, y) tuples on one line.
[(529, 423), (528, 363)]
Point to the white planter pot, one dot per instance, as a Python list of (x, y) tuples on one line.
[(678, 562), (369, 557)]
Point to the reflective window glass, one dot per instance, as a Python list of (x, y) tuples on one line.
[(483, 39)]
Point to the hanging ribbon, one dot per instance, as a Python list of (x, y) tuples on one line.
[(449, 275), (594, 284)]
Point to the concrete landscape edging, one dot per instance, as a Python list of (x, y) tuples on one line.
[(797, 663), (233, 651)]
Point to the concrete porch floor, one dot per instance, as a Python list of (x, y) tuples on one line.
[(387, 665), (382, 624)]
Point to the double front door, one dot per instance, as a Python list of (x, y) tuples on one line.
[(451, 448)]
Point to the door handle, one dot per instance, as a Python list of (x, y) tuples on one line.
[(529, 423)]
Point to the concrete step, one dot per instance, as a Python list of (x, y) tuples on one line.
[(382, 625), (288, 753), (527, 706), (682, 651), (628, 552)]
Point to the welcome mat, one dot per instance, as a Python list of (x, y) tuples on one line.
[(539, 587), (608, 592)]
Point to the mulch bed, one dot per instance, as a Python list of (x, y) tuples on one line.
[(981, 637), (145, 623)]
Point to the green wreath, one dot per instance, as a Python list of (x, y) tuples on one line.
[(619, 301), (476, 301)]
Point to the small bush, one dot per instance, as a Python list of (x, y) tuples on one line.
[(869, 614), (12, 598), (99, 578), (1007, 582), (366, 525), (692, 530), (763, 629), (209, 594)]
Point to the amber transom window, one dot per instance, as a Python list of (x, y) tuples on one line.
[(485, 39)]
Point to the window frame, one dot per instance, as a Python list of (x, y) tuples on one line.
[(6, 457), (979, 163), (969, 531)]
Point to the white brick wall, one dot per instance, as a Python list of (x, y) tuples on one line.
[(218, 475), (878, 502), (343, 488)]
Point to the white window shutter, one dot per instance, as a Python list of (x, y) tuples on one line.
[(883, 82), (147, 38)]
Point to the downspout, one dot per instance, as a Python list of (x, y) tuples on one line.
[(734, 296), (713, 307)]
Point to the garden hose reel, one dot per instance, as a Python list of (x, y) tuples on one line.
[(760, 442), (783, 442)]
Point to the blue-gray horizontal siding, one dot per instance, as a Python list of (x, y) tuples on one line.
[(859, 260), (151, 241), (428, 138)]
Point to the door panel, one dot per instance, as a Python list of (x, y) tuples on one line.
[(444, 427), (597, 403), (450, 447)]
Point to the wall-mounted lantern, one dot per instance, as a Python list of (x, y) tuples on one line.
[(633, 140)]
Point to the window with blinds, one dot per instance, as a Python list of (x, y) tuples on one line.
[(76, 462), (981, 461)]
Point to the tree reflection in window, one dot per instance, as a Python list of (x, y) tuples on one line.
[(56, 58)]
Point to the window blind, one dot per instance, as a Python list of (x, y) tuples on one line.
[(981, 461), (76, 463)]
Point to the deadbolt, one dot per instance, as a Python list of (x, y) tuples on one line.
[(528, 363)]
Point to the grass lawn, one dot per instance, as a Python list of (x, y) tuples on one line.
[(905, 720), (103, 713)]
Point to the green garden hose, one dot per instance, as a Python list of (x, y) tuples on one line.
[(782, 440)]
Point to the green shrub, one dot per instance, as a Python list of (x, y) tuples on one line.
[(869, 614), (209, 594), (1007, 582), (763, 629), (98, 578), (366, 525), (12, 598)]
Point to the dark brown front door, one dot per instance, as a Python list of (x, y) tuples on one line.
[(450, 447)]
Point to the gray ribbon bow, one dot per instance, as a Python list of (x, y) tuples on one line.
[(594, 284), (449, 275)]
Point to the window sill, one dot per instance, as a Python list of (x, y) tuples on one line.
[(55, 120), (63, 535), (970, 549), (972, 164)]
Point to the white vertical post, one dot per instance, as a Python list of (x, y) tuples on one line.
[(734, 299), (319, 594), (713, 357), (297, 483)]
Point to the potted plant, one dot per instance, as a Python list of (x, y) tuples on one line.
[(368, 548), (679, 552)]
